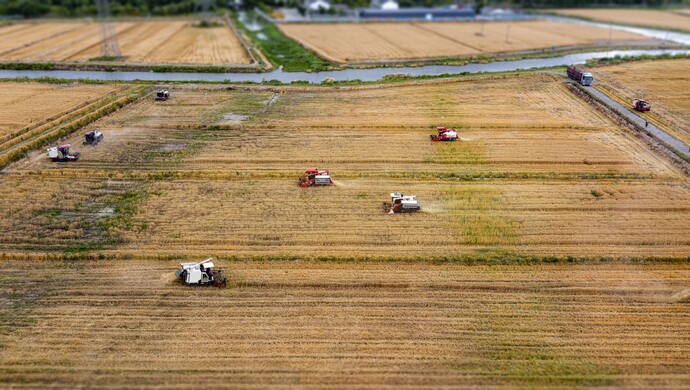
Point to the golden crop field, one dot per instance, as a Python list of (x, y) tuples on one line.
[(537, 172), (344, 324), (174, 41), (664, 83), (31, 104), (652, 18), (353, 42)]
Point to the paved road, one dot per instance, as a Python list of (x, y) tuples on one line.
[(666, 138)]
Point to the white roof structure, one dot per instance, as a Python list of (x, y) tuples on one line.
[(315, 5)]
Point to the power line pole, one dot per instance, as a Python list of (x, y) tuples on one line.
[(109, 46)]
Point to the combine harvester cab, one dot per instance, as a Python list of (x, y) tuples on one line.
[(575, 73), (162, 95), (642, 105), (444, 134), (202, 273), (61, 153), (315, 177), (401, 204), (93, 137)]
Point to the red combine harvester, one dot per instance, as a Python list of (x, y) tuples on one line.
[(61, 153), (444, 134), (642, 105), (314, 177)]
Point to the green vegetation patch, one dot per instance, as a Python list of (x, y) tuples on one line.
[(281, 50)]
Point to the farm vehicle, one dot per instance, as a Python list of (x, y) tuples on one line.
[(93, 137), (401, 204), (202, 273), (61, 153), (162, 95), (314, 177), (641, 105), (444, 134), (575, 73)]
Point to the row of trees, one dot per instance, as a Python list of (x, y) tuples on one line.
[(71, 8), (66, 8)]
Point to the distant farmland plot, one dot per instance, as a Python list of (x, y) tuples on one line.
[(679, 20), (353, 42), (536, 172), (664, 83), (172, 41), (30, 104)]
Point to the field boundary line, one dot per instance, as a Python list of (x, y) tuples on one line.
[(247, 47)]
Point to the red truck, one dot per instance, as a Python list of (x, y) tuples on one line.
[(575, 73)]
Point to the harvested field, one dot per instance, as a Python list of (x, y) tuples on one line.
[(364, 325), (537, 172), (677, 20), (664, 83), (352, 42), (173, 41)]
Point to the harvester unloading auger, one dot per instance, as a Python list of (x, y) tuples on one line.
[(401, 204), (444, 134), (314, 177), (202, 273)]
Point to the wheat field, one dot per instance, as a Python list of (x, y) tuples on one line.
[(213, 170), (174, 41), (641, 17), (664, 83), (357, 42), (334, 324)]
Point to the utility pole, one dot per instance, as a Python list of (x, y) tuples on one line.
[(508, 33), (109, 46)]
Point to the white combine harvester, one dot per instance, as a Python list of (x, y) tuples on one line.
[(202, 274), (401, 204)]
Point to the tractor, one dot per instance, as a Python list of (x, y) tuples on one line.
[(401, 204), (642, 105), (444, 134), (61, 153), (162, 95), (93, 137), (314, 177), (202, 273)]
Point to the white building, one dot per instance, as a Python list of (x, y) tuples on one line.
[(317, 5), (385, 4)]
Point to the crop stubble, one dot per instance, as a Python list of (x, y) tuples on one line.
[(543, 175), (669, 19), (153, 41), (352, 42), (664, 83), (361, 324)]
